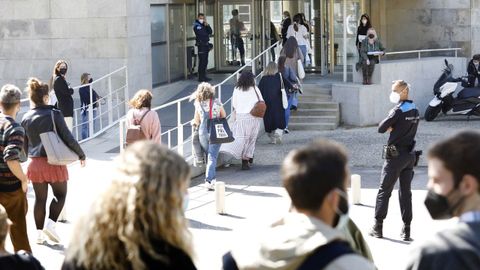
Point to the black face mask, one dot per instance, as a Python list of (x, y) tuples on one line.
[(90, 81), (438, 205), (371, 36), (342, 210), (63, 71)]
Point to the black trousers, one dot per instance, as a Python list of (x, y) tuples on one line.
[(400, 168), (367, 70), (202, 62)]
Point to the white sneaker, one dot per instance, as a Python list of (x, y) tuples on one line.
[(50, 231), (40, 237), (210, 185)]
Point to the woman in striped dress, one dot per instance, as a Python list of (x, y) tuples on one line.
[(245, 127)]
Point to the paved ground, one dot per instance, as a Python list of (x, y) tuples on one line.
[(256, 199)]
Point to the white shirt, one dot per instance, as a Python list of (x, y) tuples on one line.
[(243, 101), (300, 35)]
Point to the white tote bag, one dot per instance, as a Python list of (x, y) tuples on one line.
[(301, 71), (58, 153), (284, 93)]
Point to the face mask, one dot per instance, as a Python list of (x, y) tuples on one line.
[(341, 213), (438, 205), (63, 71), (394, 97), (201, 21), (186, 201), (371, 36), (476, 63), (90, 81), (364, 22)]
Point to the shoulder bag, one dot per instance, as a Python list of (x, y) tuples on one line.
[(218, 129), (58, 153), (300, 70), (259, 108), (284, 93), (135, 132)]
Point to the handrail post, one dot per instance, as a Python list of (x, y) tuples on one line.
[(220, 93), (180, 129), (90, 112), (456, 53), (419, 54), (126, 90), (109, 101), (254, 71), (121, 127)]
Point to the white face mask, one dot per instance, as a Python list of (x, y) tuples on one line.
[(342, 213), (201, 21), (394, 97), (364, 22)]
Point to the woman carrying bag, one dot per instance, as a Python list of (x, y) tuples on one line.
[(207, 109), (42, 119), (246, 123)]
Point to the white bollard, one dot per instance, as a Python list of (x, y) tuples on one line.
[(355, 188), (220, 197)]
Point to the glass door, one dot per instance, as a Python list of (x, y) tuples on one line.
[(177, 42)]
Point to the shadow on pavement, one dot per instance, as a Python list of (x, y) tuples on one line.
[(396, 241), (232, 216), (252, 193), (365, 205), (200, 225), (57, 247)]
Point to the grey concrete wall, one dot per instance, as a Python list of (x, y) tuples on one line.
[(421, 24), (362, 105), (93, 36)]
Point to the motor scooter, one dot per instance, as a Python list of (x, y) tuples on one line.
[(467, 101)]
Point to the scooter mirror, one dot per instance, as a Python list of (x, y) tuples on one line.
[(446, 62)]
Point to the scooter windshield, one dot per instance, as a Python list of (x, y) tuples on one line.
[(444, 78)]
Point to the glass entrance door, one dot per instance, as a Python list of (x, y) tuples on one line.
[(236, 38)]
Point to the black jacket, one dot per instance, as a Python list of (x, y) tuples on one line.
[(285, 24), (39, 120), (202, 34), (64, 95), (361, 30), (403, 119), (473, 74)]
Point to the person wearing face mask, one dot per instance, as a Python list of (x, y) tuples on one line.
[(84, 93), (63, 92), (286, 22), (203, 31), (453, 191), (307, 238), (362, 29), (402, 123), (473, 70), (236, 29), (370, 49)]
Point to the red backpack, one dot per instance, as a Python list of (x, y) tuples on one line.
[(134, 132)]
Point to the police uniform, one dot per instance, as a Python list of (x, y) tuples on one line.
[(403, 119), (202, 34)]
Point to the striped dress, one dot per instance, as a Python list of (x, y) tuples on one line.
[(245, 127)]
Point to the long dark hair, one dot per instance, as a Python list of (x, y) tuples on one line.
[(281, 63), (246, 80), (297, 19), (368, 25), (290, 47)]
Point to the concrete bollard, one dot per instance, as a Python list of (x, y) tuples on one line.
[(355, 189), (220, 198)]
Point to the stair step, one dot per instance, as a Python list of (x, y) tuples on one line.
[(312, 126), (298, 119), (313, 97), (318, 105), (315, 112), (316, 89)]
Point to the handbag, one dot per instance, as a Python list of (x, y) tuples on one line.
[(301, 71), (218, 129), (58, 153), (135, 132), (284, 93), (259, 108)]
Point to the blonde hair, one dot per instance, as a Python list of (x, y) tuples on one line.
[(143, 203), (271, 69), (400, 85), (205, 91), (141, 99), (84, 78)]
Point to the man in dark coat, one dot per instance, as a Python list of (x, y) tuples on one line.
[(473, 70)]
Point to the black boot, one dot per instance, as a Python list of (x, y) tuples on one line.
[(377, 229), (250, 161), (405, 235), (245, 165)]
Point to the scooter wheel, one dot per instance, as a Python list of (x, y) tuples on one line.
[(432, 112)]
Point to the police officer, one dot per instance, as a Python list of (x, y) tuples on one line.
[(202, 32), (402, 123)]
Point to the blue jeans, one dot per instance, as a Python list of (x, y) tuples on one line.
[(295, 99), (212, 151), (303, 48), (287, 110), (85, 131)]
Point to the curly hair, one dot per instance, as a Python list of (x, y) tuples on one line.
[(205, 91), (141, 99), (246, 80), (144, 202)]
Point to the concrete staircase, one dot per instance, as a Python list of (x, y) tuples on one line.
[(316, 110)]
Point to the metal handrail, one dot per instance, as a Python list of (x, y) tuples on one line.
[(425, 50), (180, 125)]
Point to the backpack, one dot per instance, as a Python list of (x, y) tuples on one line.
[(134, 132), (324, 255)]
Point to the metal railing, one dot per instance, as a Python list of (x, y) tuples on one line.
[(419, 52), (180, 124)]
